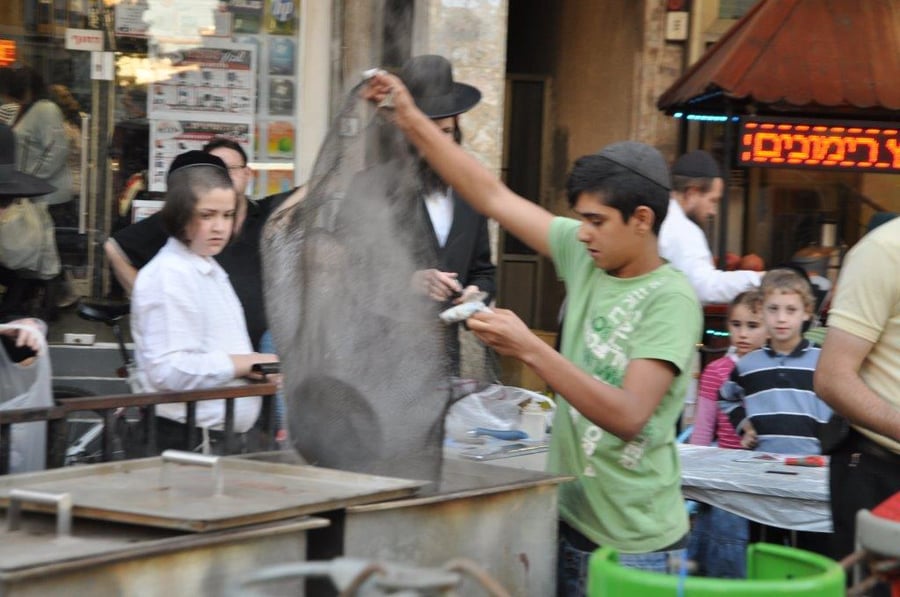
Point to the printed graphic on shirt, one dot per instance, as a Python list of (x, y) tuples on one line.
[(607, 342)]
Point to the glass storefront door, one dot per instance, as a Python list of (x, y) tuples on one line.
[(140, 81)]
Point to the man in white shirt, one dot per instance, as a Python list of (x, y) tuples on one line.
[(697, 187)]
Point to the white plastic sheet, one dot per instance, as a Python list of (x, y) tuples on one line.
[(26, 386), (768, 492)]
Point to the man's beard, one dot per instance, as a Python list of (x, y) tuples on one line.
[(430, 180), (702, 221)]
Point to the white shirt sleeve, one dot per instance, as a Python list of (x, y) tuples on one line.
[(683, 244), (171, 312)]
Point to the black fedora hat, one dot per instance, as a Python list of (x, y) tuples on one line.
[(429, 79), (12, 182)]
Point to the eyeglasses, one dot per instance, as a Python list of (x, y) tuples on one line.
[(236, 167)]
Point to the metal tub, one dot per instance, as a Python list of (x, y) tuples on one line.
[(109, 559), (502, 519)]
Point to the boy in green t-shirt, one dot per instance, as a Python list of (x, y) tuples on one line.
[(631, 326)]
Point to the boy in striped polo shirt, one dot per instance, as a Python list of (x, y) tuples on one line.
[(772, 387)]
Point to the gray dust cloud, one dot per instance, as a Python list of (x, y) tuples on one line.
[(363, 356)]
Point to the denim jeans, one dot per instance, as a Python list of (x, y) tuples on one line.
[(572, 565), (718, 543)]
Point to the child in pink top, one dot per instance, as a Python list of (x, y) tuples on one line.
[(747, 332), (718, 540)]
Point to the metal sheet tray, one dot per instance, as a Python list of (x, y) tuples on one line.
[(27, 551), (165, 494)]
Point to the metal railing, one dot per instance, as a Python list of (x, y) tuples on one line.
[(110, 408)]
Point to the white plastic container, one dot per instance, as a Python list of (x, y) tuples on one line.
[(533, 421)]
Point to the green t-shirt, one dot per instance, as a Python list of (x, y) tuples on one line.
[(627, 495)]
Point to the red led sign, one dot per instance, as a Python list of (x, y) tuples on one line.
[(7, 52), (820, 144)]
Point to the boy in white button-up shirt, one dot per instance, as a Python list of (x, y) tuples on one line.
[(188, 325)]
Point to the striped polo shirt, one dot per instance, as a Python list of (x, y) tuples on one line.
[(775, 393)]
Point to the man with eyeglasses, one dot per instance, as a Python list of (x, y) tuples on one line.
[(132, 247)]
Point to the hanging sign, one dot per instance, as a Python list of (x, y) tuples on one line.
[(89, 40), (820, 144)]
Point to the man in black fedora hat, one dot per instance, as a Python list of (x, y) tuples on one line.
[(459, 233), (27, 246)]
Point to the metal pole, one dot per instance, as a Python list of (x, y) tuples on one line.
[(83, 165), (726, 175)]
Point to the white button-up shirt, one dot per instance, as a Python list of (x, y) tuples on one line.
[(186, 320), (683, 244), (440, 210)]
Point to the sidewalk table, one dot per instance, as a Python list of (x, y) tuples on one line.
[(765, 491)]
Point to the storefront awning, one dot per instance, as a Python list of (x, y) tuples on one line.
[(816, 57)]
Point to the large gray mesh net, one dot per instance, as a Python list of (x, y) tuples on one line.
[(364, 356)]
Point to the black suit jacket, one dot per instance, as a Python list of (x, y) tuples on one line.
[(467, 251)]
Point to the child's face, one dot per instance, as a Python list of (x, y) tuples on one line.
[(611, 242), (746, 329), (784, 314), (210, 228)]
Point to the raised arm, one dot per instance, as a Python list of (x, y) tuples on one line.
[(474, 183), (683, 244)]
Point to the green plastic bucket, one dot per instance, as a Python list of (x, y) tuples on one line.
[(771, 570)]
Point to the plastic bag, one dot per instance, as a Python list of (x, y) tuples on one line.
[(494, 407), (26, 386), (28, 240)]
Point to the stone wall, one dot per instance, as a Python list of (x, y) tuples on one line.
[(658, 66), (472, 35)]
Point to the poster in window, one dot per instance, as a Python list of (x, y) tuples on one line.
[(247, 15), (281, 56), (279, 181), (168, 138), (281, 17), (281, 96), (280, 139), (206, 79)]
